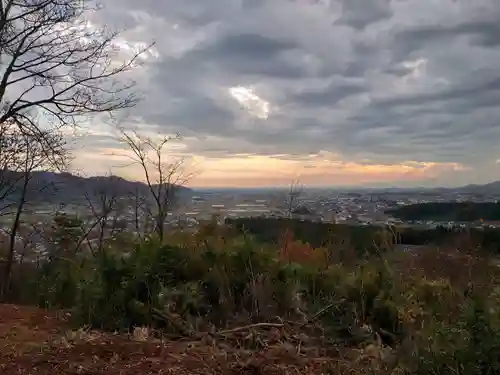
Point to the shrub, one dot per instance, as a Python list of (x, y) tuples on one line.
[(439, 310)]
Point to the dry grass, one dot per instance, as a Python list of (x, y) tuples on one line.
[(460, 267)]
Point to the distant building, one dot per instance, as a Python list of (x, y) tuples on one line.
[(304, 213), (302, 210)]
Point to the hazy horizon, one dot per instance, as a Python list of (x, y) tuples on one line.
[(300, 185), (333, 92)]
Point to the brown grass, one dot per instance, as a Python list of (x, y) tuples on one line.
[(460, 267)]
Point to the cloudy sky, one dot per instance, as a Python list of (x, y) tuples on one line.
[(335, 92)]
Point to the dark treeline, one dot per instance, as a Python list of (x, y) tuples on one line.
[(449, 211), (271, 230)]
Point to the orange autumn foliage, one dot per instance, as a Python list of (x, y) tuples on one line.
[(296, 251)]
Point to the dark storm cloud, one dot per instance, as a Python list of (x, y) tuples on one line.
[(460, 91), (341, 76), (329, 96), (422, 136), (248, 54), (247, 46), (483, 32), (364, 55), (194, 115), (361, 13)]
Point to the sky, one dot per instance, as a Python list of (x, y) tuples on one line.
[(331, 92)]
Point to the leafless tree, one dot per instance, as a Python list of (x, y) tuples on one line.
[(143, 222), (57, 66), (163, 177), (33, 151), (295, 191), (10, 163), (26, 246), (106, 207), (30, 234)]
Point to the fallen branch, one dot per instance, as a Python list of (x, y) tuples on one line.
[(174, 321), (247, 327), (325, 309), (163, 316), (322, 311)]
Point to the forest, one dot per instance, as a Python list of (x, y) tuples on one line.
[(317, 234), (449, 211)]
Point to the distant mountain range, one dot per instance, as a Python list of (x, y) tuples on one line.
[(68, 188), (485, 189), (490, 188), (49, 187)]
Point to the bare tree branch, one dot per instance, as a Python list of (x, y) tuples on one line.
[(163, 177), (24, 152), (295, 191), (59, 65), (104, 204)]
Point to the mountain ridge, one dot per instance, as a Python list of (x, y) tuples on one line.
[(64, 187), (488, 188)]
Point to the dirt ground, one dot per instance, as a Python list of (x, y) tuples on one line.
[(38, 342)]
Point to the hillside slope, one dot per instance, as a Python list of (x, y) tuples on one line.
[(37, 342), (49, 187)]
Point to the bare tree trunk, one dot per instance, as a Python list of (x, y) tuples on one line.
[(162, 177), (24, 153), (100, 241), (12, 239), (294, 193)]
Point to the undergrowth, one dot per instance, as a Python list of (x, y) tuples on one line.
[(437, 311)]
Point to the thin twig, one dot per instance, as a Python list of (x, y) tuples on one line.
[(250, 326)]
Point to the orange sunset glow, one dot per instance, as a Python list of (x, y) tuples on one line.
[(265, 171)]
